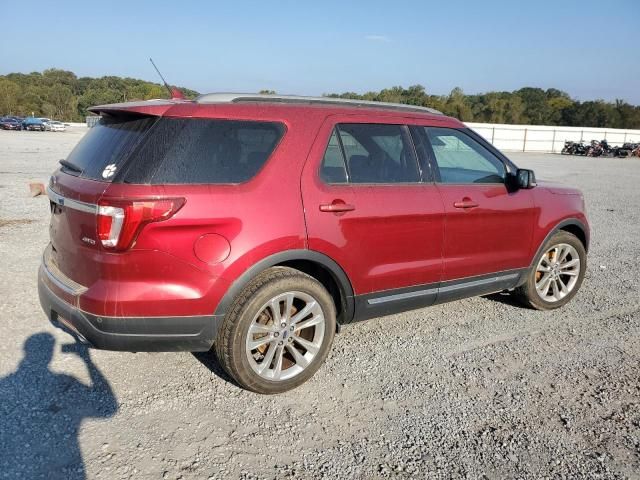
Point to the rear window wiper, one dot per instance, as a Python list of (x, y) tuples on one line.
[(70, 166)]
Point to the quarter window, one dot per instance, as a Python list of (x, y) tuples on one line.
[(192, 151), (461, 159), (333, 169)]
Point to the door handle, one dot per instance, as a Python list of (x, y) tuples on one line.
[(337, 206), (466, 202)]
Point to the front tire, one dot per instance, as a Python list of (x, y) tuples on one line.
[(557, 273), (278, 332)]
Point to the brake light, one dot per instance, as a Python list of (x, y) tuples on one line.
[(119, 222)]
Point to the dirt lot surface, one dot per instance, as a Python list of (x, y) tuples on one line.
[(473, 389)]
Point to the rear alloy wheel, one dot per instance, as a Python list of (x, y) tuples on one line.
[(278, 331), (285, 336), (557, 273)]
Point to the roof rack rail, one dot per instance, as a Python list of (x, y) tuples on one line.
[(272, 98)]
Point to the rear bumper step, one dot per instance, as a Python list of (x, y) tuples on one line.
[(57, 277), (134, 334)]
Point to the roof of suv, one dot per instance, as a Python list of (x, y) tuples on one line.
[(298, 99), (228, 99)]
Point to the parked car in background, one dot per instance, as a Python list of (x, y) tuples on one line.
[(8, 123), (32, 123), (46, 122), (56, 126), (258, 224)]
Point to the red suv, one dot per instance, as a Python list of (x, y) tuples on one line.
[(261, 224)]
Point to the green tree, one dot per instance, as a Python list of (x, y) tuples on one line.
[(62, 95), (457, 106), (536, 110), (9, 92), (556, 108), (63, 102), (515, 110)]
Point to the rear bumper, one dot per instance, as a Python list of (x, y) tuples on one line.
[(134, 334)]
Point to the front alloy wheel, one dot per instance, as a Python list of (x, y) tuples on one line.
[(557, 272), (557, 275)]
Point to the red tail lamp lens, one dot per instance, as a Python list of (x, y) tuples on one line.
[(120, 222)]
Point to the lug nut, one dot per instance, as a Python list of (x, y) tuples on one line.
[(276, 334), (280, 342), (291, 328), (290, 340), (283, 324)]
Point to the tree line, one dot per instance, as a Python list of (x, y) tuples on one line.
[(62, 95), (532, 106)]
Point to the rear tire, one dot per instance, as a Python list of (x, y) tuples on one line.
[(266, 343), (556, 275)]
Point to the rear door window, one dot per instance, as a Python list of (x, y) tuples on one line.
[(373, 153)]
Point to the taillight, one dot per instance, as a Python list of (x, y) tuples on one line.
[(120, 221)]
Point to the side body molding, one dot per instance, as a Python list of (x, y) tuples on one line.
[(378, 304)]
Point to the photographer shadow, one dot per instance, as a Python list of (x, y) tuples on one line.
[(41, 413)]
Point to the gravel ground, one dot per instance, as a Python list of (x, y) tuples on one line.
[(472, 389)]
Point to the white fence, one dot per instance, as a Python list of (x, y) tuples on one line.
[(542, 138)]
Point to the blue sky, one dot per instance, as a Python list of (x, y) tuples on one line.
[(589, 49)]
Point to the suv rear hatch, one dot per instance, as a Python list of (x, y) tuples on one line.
[(77, 187), (131, 169)]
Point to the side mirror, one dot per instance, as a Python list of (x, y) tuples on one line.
[(525, 178)]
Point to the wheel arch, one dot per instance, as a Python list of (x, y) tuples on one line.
[(571, 225), (578, 230), (316, 264)]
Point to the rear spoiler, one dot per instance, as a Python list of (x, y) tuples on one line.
[(147, 107)]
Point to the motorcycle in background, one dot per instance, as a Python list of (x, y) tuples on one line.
[(568, 148), (600, 149), (627, 150), (606, 149), (595, 149), (574, 148)]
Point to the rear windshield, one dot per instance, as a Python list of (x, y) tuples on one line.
[(152, 150), (104, 149)]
